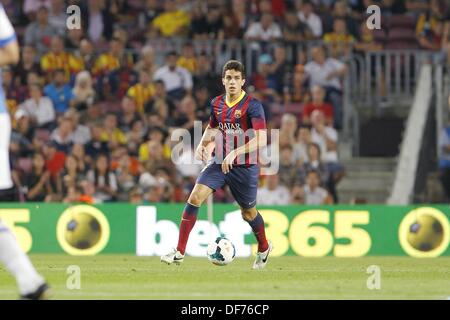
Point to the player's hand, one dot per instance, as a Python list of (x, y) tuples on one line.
[(227, 163), (201, 153)]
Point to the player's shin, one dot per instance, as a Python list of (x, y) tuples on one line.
[(259, 231), (187, 223), (17, 262)]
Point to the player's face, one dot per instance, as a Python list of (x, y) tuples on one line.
[(233, 82)]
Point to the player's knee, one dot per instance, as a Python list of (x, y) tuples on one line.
[(195, 199), (248, 214)]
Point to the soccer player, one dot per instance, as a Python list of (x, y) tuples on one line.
[(31, 284), (235, 116)]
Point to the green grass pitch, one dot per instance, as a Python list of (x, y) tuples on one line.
[(130, 277)]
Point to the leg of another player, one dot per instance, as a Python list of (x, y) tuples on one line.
[(31, 284)]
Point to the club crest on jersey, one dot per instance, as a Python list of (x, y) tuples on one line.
[(237, 114)]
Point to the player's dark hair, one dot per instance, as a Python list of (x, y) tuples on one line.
[(234, 65)]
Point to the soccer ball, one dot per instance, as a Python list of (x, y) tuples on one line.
[(83, 231), (426, 233), (221, 251)]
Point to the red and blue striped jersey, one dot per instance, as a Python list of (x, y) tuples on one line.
[(237, 125)]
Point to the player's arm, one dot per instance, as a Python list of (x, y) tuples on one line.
[(206, 144), (9, 54), (256, 143), (9, 48)]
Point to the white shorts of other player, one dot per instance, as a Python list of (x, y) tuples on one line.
[(5, 135)]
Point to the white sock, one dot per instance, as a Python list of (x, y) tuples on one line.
[(18, 263)]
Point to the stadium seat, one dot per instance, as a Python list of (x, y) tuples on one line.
[(401, 21), (380, 35), (401, 34), (401, 45)]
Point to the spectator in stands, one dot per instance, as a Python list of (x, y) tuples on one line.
[(444, 158), (125, 179), (142, 92), (288, 128), (109, 66), (187, 115), (428, 20), (36, 184), (59, 91), (296, 92), (38, 34), (341, 10), (128, 114), (327, 73), (339, 40), (73, 39), (81, 134), (177, 80), (214, 22), (264, 81), (146, 61), (313, 194), (273, 193), (58, 16), (203, 102), (231, 28), (205, 76), (14, 93), (326, 137), (111, 133), (135, 196), (264, 30), (39, 108), (315, 162), (318, 103), (239, 10), (431, 36), (59, 58), (83, 94), (160, 98), (172, 22), (31, 7), (150, 11), (27, 64), (21, 136), (198, 28), (300, 148), (288, 171), (62, 135), (295, 30), (70, 176), (305, 12), (280, 68), (87, 54), (104, 179), (99, 21), (366, 41), (187, 59), (158, 135), (96, 145), (54, 160), (135, 137), (79, 153)]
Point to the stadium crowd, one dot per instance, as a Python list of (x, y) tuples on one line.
[(93, 108)]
